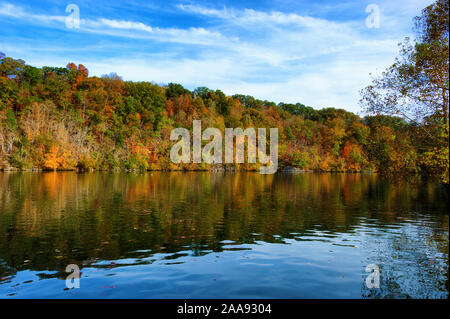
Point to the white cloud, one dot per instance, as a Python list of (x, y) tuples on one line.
[(250, 16), (125, 25), (123, 28), (13, 11), (8, 9)]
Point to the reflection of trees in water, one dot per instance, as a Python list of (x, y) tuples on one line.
[(53, 219)]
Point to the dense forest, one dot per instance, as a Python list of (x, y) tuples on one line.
[(62, 118)]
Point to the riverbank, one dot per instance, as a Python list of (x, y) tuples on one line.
[(287, 169)]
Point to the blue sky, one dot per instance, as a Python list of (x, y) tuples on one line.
[(319, 53)]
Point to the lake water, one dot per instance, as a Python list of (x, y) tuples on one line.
[(216, 235)]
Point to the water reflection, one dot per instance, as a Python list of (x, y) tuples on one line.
[(205, 235)]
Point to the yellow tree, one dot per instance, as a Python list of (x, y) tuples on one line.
[(51, 158)]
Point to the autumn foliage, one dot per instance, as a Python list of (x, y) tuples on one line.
[(61, 119)]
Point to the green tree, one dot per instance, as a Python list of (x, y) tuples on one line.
[(416, 86)]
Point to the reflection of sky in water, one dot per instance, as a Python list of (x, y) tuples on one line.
[(298, 243), (319, 265)]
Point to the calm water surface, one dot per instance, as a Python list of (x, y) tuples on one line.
[(203, 235)]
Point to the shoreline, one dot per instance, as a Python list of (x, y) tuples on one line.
[(214, 170)]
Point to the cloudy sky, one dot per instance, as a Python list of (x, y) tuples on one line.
[(319, 53)]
